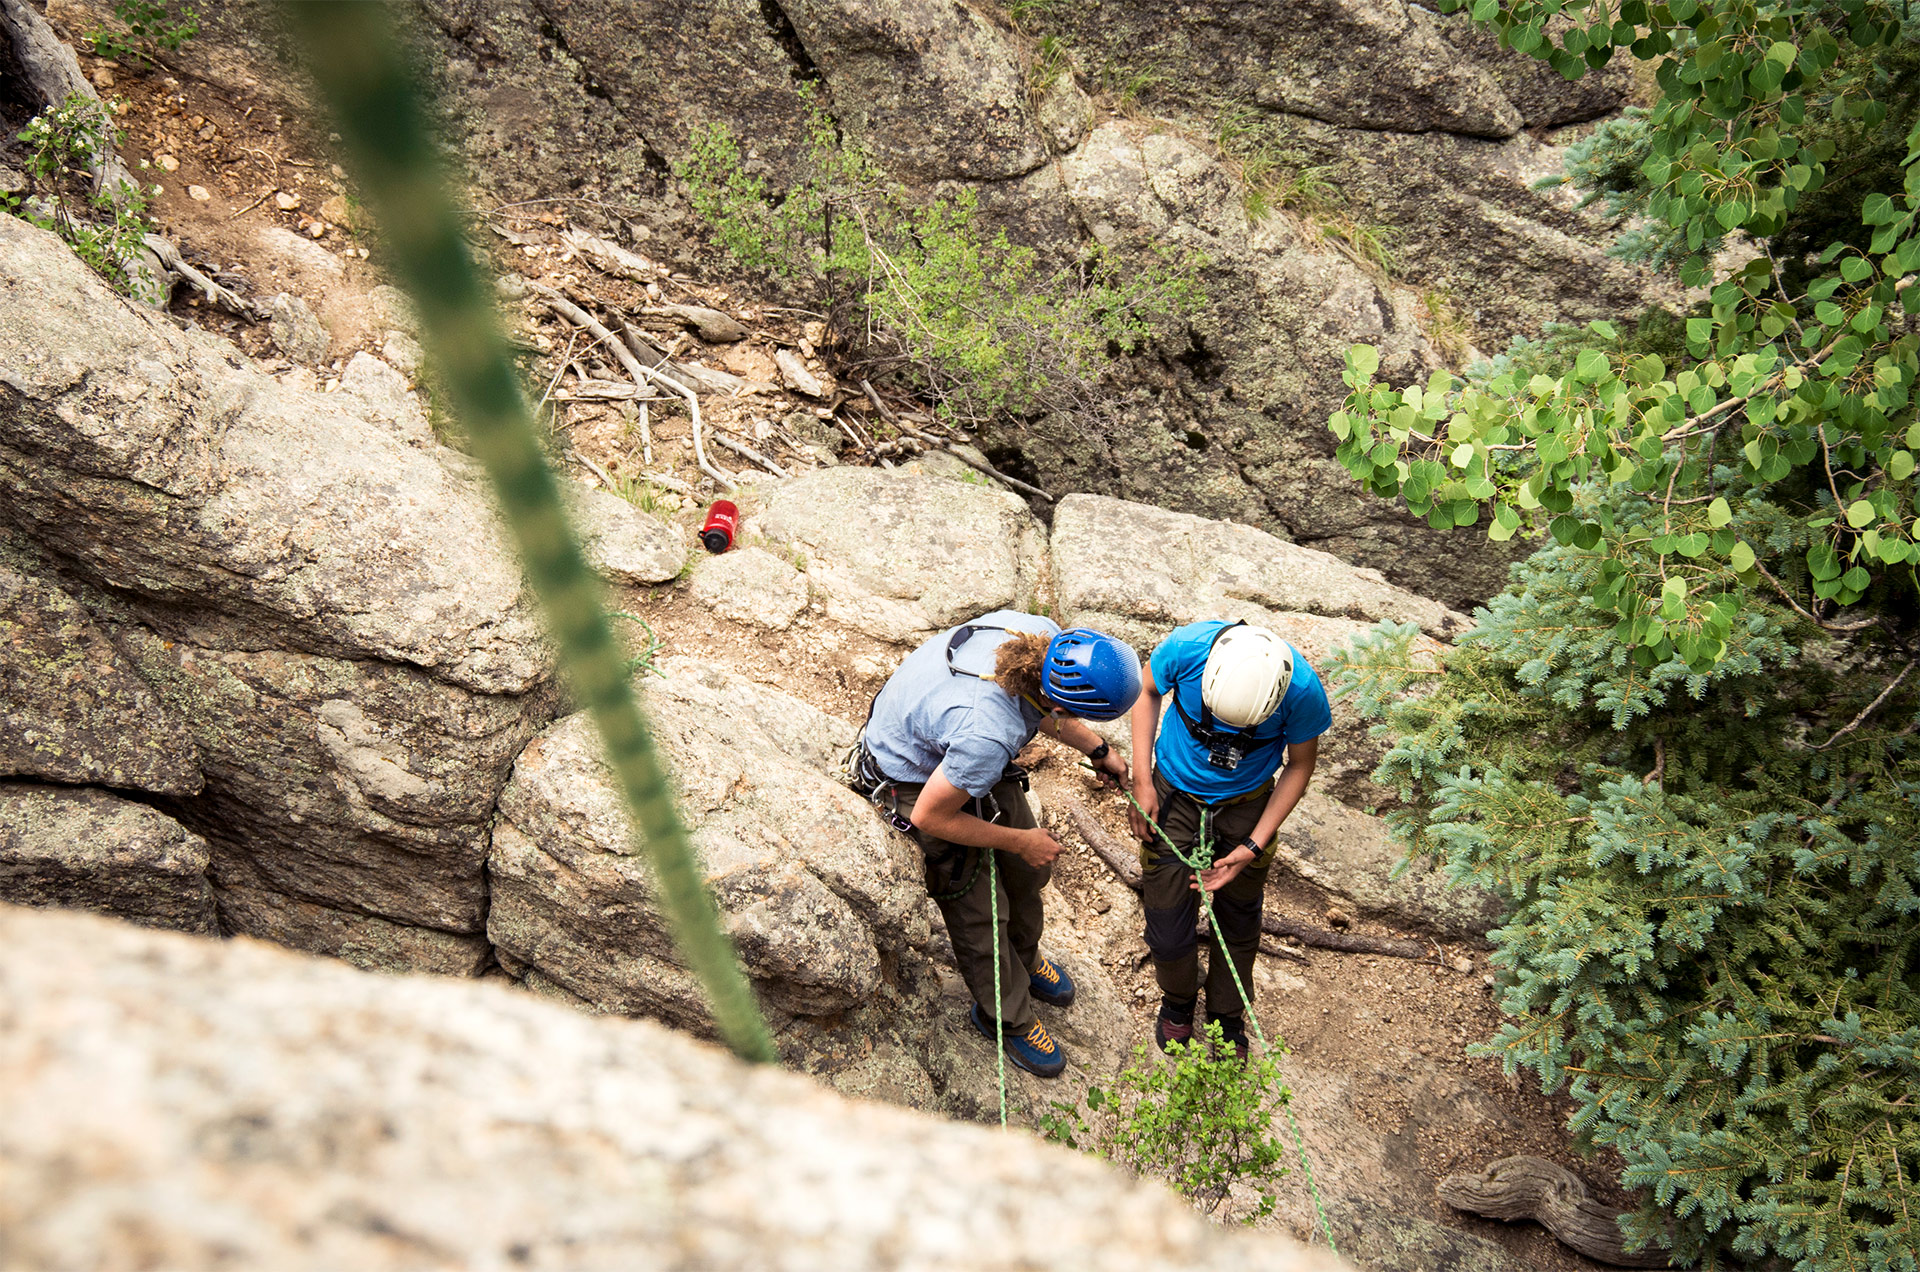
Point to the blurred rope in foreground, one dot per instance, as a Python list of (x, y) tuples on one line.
[(358, 63)]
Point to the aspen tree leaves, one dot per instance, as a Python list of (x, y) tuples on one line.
[(1781, 450)]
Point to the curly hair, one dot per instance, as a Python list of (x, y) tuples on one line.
[(1018, 663)]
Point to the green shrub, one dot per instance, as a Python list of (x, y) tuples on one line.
[(1681, 746), (1199, 1120), (64, 144), (150, 25), (976, 324)]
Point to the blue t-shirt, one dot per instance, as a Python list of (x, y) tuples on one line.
[(1177, 666), (930, 717)]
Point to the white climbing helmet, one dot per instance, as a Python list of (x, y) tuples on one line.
[(1247, 674)]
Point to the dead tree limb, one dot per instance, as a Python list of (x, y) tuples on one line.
[(1554, 1197), (1126, 866), (747, 452), (949, 447), (1278, 950), (640, 373), (1345, 942)]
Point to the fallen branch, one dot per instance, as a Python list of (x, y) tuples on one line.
[(608, 257), (1345, 942), (674, 484), (640, 373), (747, 452), (1125, 865), (699, 379), (949, 447), (1278, 950), (605, 479), (606, 391), (169, 257), (1555, 1198)]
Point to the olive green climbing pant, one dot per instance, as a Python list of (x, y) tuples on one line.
[(970, 916), (1173, 904)]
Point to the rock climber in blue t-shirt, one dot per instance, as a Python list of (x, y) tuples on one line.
[(1233, 756)]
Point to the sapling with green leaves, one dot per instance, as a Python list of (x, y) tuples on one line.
[(105, 228), (1199, 1119), (978, 325)]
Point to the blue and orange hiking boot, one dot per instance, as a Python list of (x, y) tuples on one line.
[(1032, 1049), (1051, 985), (1174, 1025)]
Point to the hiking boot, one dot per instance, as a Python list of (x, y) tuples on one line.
[(1174, 1025), (1032, 1049), (1050, 985), (1233, 1032)]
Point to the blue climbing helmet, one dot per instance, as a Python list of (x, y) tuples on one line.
[(1091, 674)]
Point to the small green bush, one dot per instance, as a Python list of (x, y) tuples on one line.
[(150, 26), (1200, 1121), (64, 144), (979, 326)]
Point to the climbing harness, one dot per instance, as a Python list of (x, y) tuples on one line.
[(1194, 864)]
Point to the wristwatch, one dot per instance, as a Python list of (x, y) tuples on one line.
[(1250, 846), (1099, 753)]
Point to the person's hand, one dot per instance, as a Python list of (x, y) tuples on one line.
[(1037, 848), (1115, 766), (1226, 870), (1141, 820)]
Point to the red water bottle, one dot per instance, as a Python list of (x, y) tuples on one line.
[(722, 519)]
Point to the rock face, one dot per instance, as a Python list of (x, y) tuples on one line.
[(751, 585), (1427, 129), (168, 1101), (898, 556), (812, 885), (328, 650), (1137, 570), (1351, 855), (71, 709), (84, 849)]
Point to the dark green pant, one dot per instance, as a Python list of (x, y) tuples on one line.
[(970, 916), (1173, 905)]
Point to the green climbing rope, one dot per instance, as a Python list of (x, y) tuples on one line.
[(999, 1029), (362, 72), (1194, 864)]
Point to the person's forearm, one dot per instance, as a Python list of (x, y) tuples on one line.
[(965, 828), (1078, 736)]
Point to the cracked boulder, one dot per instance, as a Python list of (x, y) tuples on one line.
[(323, 610), (900, 556), (1137, 571), (71, 708), (812, 886), (85, 849), (166, 1101)]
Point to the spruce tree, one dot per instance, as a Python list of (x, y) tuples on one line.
[(1681, 745)]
